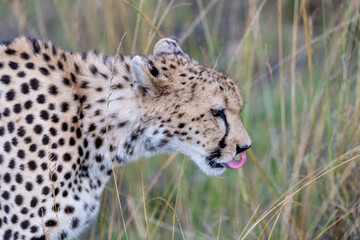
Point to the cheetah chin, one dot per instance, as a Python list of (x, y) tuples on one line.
[(67, 118)]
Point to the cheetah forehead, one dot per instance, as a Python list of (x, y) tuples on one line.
[(185, 71)]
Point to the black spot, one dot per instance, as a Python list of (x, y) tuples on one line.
[(51, 223), (64, 106), (7, 178), (36, 46), (53, 131), (53, 177), (41, 154), (34, 84), (63, 235), (78, 133), (44, 71), (60, 65), (7, 234), (17, 108), (99, 158), (5, 79), (6, 112), (73, 78), (46, 57), (92, 127), (64, 126), (53, 157), (14, 141), (21, 154), (44, 166), (67, 175), (66, 157), (53, 90), (80, 151), (181, 125), (75, 223), (44, 115), (51, 106), (122, 124), (14, 219), (10, 127), (69, 209), (18, 178), (10, 95), (53, 49), (13, 65), (29, 65), (63, 56), (98, 142), (54, 118), (29, 118), (93, 69), (39, 179), (19, 200), (41, 98), (24, 88), (29, 186), (38, 129), (45, 190), (7, 147), (154, 71), (32, 147), (34, 229), (5, 195), (24, 224), (32, 165), (10, 51), (24, 56), (84, 84), (42, 212), (72, 141), (21, 74)]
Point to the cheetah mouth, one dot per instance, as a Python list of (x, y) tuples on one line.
[(236, 163)]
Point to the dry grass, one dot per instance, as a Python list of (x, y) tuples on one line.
[(298, 65)]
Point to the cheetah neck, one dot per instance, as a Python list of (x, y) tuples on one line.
[(115, 130)]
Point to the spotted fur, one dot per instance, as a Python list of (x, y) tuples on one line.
[(64, 117)]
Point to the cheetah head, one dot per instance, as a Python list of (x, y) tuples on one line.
[(190, 108)]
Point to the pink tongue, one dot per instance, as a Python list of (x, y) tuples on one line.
[(235, 164)]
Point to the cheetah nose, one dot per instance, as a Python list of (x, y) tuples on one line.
[(241, 148)]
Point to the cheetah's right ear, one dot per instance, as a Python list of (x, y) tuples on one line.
[(168, 46), (146, 78)]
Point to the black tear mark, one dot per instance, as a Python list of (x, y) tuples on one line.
[(222, 143), (216, 154)]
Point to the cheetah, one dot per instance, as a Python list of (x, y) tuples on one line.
[(66, 119)]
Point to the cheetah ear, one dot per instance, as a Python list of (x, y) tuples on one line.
[(168, 46), (146, 78)]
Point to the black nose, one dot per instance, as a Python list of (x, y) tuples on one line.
[(241, 148)]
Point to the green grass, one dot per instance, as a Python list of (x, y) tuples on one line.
[(302, 177)]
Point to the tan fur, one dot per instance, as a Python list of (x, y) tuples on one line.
[(64, 117)]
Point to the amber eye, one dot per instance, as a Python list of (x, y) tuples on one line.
[(216, 112)]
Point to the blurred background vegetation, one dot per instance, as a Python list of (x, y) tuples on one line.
[(297, 64)]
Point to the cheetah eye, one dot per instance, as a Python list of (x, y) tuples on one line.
[(217, 113)]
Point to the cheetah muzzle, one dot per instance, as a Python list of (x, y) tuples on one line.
[(66, 118)]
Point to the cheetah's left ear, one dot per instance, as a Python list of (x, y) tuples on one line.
[(168, 46), (146, 78)]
